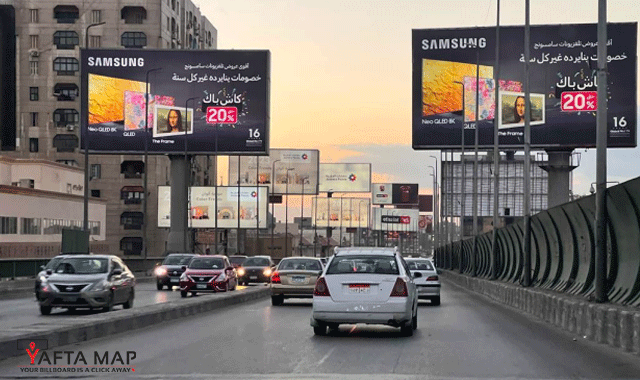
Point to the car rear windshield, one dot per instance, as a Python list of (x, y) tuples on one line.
[(80, 265), (363, 264), (237, 260), (300, 264), (420, 265), (207, 263), (177, 260), (256, 262)]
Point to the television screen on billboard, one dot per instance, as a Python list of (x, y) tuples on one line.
[(453, 67), (203, 207), (204, 101), (345, 178), (389, 219), (303, 176), (341, 212), (395, 193)]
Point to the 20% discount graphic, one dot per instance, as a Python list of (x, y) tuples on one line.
[(222, 115)]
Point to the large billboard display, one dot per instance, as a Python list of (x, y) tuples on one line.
[(204, 101), (345, 178), (341, 212), (395, 193), (563, 86), (203, 207), (389, 219), (303, 178)]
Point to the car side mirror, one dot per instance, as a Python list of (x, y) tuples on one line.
[(184, 267), (116, 272), (49, 272), (417, 274)]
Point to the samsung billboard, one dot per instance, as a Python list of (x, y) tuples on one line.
[(201, 101), (203, 212), (298, 167), (345, 178), (563, 86)]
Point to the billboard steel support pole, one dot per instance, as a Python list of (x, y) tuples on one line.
[(286, 218), (526, 281), (215, 182), (145, 184), (496, 154), (188, 163), (474, 252), (273, 204), (257, 241), (601, 159), (301, 215), (238, 233)]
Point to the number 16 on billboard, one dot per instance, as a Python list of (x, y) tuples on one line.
[(222, 115)]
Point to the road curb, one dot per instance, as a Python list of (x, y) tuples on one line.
[(105, 324), (613, 325)]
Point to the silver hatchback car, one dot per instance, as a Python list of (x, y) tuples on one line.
[(87, 281)]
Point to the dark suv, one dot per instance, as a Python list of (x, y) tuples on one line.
[(168, 273), (255, 269)]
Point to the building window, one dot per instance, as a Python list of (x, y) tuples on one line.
[(65, 143), (131, 245), (131, 220), (95, 42), (34, 119), (132, 169), (33, 145), (132, 194), (66, 66), (95, 193), (34, 41), (31, 226), (73, 163), (63, 117), (66, 39), (133, 15), (96, 16), (168, 24), (95, 171), (65, 91), (66, 14), (134, 39), (33, 94), (33, 67), (34, 15), (8, 225)]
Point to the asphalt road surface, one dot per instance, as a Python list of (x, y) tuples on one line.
[(465, 337)]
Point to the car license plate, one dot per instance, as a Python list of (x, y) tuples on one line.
[(359, 288), (253, 277), (201, 286), (298, 279), (175, 280), (69, 298)]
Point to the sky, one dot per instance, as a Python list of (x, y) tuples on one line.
[(341, 72)]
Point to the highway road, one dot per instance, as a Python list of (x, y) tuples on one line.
[(466, 337)]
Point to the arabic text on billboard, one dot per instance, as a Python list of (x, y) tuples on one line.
[(345, 178)]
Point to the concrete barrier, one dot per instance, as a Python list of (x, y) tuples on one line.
[(73, 330), (614, 325)]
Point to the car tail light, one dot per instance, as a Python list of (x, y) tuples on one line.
[(321, 288), (275, 278), (432, 278), (399, 289)]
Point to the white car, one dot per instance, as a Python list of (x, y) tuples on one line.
[(365, 285), (429, 285)]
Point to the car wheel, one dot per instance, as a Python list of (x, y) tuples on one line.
[(169, 287), (435, 301), (193, 293), (320, 330), (159, 286), (129, 303), (45, 310), (277, 300), (414, 322), (407, 329), (109, 306), (183, 294)]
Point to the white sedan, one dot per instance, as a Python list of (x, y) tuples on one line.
[(365, 285)]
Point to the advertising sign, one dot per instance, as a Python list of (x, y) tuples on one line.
[(209, 100), (389, 219), (563, 86), (203, 207), (425, 223), (341, 212), (395, 193), (303, 176), (345, 178)]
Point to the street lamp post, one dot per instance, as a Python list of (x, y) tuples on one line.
[(286, 217), (301, 215), (85, 220), (273, 215), (188, 184), (146, 164), (436, 212)]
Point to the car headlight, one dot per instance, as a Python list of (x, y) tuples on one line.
[(42, 279), (240, 272), (267, 272), (100, 286), (185, 277), (160, 271)]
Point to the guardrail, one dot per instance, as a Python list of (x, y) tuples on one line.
[(563, 248)]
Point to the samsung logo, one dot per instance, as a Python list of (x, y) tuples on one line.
[(115, 62), (454, 43)]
